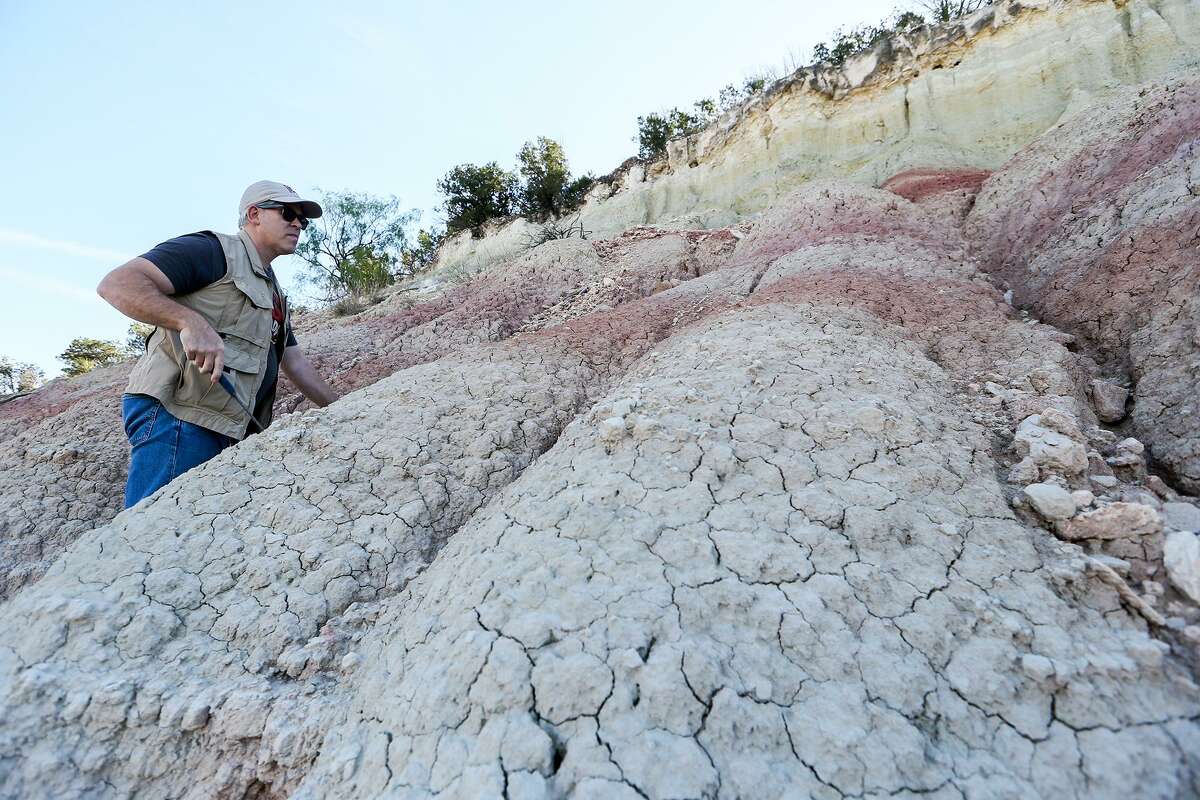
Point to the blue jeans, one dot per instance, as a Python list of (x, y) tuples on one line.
[(164, 447)]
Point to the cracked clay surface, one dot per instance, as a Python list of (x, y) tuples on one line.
[(678, 514)]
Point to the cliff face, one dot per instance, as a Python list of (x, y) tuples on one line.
[(799, 506), (967, 95)]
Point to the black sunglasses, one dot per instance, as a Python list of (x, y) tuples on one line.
[(289, 214)]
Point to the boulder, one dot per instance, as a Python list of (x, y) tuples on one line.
[(1114, 521), (1108, 400), (1181, 555), (1050, 501), (1041, 441), (1181, 516)]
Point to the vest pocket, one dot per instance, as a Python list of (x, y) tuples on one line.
[(241, 355), (252, 327), (256, 288)]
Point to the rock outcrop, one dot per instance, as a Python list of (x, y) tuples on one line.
[(804, 505), (1096, 229), (961, 97)]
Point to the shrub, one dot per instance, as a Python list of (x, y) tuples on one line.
[(553, 231), (655, 130), (85, 354), (946, 10), (349, 305), (476, 194), (136, 337), (420, 256), (19, 376), (355, 247), (458, 274), (847, 43)]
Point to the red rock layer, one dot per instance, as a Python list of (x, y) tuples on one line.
[(1096, 229)]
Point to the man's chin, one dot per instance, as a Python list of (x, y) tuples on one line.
[(288, 246)]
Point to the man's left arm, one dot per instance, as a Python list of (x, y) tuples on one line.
[(303, 375)]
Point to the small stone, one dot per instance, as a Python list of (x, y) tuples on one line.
[(1115, 521), (1118, 565), (1109, 400), (1023, 472), (1192, 633), (1097, 465), (1136, 494), (1039, 668), (612, 428), (1104, 481), (1040, 439), (1160, 488), (1131, 445), (1185, 609), (1181, 516), (1181, 555), (1061, 421), (1125, 458), (350, 661), (1149, 653), (1083, 498), (196, 716), (1050, 501)]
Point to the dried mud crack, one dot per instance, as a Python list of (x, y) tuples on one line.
[(876, 493)]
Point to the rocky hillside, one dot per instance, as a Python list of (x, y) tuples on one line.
[(874, 477)]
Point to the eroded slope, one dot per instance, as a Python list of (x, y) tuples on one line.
[(1096, 229), (63, 467), (771, 546)]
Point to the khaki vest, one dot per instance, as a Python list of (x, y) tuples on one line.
[(239, 309)]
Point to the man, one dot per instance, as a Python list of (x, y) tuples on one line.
[(218, 311)]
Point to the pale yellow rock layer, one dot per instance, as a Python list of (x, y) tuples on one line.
[(969, 94)]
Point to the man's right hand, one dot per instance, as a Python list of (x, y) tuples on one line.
[(204, 347), (140, 290)]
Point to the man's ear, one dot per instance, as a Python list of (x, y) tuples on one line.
[(252, 214)]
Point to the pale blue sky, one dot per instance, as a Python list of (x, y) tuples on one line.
[(127, 123)]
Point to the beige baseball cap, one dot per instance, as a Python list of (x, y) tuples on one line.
[(263, 191)]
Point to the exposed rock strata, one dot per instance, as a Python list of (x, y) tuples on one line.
[(1096, 229), (781, 505), (965, 96), (771, 548)]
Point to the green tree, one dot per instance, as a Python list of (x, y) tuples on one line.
[(946, 10), (476, 194), (655, 130), (848, 42), (85, 354), (354, 248), (909, 21), (548, 189), (19, 376), (419, 256), (135, 338)]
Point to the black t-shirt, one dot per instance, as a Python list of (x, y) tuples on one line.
[(196, 260)]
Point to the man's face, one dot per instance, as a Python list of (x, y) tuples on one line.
[(275, 232)]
